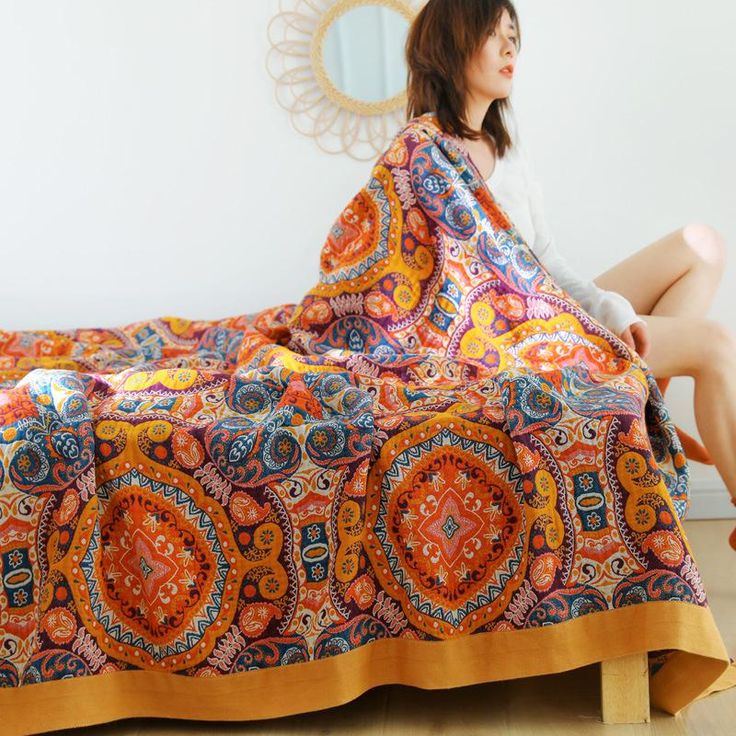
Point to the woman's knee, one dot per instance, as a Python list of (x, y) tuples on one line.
[(718, 355), (706, 242)]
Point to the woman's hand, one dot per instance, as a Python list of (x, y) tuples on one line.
[(636, 336)]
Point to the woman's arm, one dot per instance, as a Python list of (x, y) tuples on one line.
[(610, 308)]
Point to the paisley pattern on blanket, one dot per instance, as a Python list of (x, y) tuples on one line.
[(436, 442)]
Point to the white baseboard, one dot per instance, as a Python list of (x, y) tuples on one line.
[(707, 502)]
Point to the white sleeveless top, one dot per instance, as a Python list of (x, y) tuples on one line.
[(516, 188)]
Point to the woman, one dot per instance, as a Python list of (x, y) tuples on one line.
[(461, 55)]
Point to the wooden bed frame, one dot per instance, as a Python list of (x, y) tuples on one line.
[(625, 689)]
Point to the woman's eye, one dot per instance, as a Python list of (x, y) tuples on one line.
[(512, 38)]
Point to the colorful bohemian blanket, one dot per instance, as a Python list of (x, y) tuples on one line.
[(436, 469)]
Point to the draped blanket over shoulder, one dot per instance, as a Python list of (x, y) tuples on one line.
[(435, 469)]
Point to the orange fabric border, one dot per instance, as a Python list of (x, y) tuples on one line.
[(700, 667)]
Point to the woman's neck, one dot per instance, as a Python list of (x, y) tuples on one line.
[(475, 114)]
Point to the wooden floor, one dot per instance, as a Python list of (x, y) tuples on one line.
[(565, 703)]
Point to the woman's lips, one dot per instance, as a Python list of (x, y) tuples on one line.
[(507, 71)]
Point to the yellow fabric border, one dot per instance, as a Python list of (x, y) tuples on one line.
[(699, 668)]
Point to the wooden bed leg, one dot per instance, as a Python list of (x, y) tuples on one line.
[(625, 689)]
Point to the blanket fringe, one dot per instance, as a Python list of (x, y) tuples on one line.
[(724, 682)]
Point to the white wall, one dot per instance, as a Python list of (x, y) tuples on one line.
[(147, 170)]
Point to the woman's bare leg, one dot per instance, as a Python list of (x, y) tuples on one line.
[(676, 275), (671, 284), (706, 350)]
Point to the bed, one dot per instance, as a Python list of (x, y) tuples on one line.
[(435, 469)]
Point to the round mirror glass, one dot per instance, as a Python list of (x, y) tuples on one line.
[(364, 53)]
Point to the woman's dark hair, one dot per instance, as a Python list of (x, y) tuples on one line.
[(444, 35)]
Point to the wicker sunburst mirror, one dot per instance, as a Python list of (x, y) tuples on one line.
[(340, 71)]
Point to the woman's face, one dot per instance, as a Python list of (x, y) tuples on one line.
[(484, 77)]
